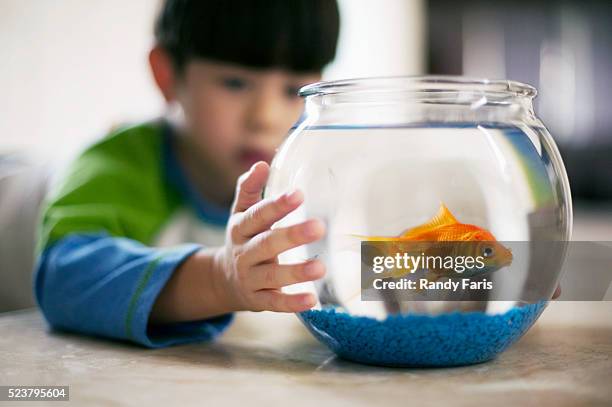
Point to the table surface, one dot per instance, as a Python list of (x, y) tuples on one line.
[(269, 358)]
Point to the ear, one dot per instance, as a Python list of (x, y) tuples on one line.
[(164, 73)]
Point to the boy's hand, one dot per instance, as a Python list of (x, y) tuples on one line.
[(251, 277)]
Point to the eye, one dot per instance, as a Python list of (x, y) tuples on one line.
[(234, 83), (487, 252), (292, 91)]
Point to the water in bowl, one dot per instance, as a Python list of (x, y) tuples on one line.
[(383, 180)]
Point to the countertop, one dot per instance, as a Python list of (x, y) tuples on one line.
[(269, 359)]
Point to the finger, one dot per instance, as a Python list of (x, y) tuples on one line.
[(262, 215), (250, 185), (271, 243), (267, 276), (275, 300), (557, 292)]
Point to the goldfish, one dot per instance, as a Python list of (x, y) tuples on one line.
[(435, 238)]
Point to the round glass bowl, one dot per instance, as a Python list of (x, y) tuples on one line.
[(382, 156)]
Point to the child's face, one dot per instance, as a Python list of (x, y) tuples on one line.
[(237, 116)]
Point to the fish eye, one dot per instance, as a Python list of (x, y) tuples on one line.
[(487, 252)]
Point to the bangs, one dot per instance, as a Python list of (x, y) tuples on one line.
[(298, 35)]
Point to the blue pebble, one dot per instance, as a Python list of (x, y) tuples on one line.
[(451, 339)]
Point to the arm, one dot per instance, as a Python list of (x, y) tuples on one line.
[(193, 292), (96, 272), (102, 285)]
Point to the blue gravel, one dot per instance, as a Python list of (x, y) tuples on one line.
[(450, 339)]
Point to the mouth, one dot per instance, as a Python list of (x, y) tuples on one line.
[(249, 156), (508, 258)]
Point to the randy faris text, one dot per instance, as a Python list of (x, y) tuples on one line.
[(425, 284)]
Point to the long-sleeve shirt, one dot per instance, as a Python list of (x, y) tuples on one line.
[(108, 239)]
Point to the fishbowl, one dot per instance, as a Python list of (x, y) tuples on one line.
[(448, 212)]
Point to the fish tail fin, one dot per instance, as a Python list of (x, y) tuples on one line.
[(389, 274), (371, 280)]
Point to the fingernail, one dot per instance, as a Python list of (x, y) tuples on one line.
[(295, 197), (306, 300), (311, 269), (313, 228)]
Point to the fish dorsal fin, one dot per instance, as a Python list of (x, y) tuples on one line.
[(443, 217)]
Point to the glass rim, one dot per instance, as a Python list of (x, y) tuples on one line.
[(433, 84)]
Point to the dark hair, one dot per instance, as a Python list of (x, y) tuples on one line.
[(299, 35)]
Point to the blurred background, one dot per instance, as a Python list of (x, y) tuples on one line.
[(72, 69)]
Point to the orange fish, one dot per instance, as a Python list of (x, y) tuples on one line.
[(436, 235)]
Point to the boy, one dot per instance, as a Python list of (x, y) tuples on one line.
[(109, 263)]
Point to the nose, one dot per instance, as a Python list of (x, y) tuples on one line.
[(266, 113)]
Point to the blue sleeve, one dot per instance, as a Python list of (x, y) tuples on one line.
[(106, 286)]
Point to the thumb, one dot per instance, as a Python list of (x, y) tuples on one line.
[(250, 186)]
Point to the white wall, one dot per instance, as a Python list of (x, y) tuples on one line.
[(70, 69), (380, 38)]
